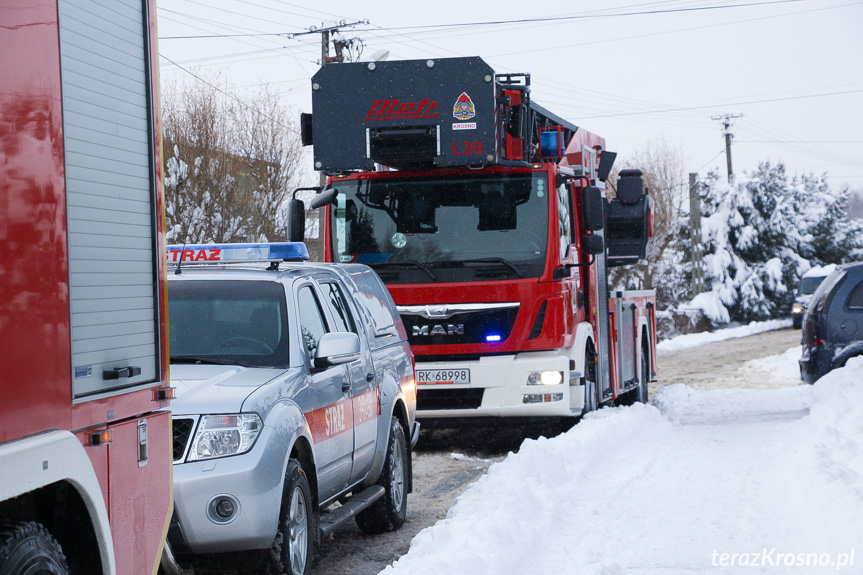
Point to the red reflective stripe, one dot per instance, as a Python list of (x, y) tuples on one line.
[(333, 420)]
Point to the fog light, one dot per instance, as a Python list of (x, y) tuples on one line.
[(545, 378), (542, 397), (225, 508)]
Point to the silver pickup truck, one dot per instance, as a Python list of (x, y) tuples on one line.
[(295, 406)]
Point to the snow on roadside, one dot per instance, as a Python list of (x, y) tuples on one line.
[(670, 489), (781, 369), (696, 339)]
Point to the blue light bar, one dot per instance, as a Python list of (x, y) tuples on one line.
[(234, 253), (492, 337)]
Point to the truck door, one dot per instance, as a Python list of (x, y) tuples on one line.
[(365, 386), (331, 419)]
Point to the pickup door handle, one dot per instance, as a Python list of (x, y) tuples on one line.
[(346, 385), (122, 372), (370, 377)]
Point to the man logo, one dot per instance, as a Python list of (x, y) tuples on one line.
[(439, 329)]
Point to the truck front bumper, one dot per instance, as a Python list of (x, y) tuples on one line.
[(499, 388)]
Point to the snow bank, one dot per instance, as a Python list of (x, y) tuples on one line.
[(671, 489), (836, 426), (502, 520), (695, 339), (780, 368)]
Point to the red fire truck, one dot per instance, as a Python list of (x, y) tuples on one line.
[(489, 219), (85, 441)]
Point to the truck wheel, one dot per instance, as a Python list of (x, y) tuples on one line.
[(388, 513), (291, 552), (29, 549), (589, 383), (644, 380)]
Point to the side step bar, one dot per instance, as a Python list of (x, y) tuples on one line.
[(330, 521)]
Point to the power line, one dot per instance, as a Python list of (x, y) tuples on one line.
[(491, 22), (590, 16), (231, 96)]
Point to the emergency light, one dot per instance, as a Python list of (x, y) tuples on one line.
[(236, 253)]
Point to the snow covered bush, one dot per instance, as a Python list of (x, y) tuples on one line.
[(761, 233)]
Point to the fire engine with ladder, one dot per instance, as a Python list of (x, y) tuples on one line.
[(85, 438), (490, 221)]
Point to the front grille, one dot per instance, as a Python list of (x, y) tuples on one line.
[(428, 399), (459, 328), (182, 432)]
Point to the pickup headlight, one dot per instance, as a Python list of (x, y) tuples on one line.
[(797, 307), (223, 435)]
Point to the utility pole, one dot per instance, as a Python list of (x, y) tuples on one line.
[(695, 236), (726, 124)]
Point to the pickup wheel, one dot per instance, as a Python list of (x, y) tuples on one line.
[(291, 553), (29, 549), (388, 513)]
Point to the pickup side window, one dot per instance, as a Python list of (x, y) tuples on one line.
[(855, 300), (338, 308), (311, 319)]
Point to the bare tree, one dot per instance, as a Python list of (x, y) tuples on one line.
[(666, 266), (230, 164)]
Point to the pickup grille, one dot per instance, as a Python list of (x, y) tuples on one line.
[(428, 399), (182, 433)]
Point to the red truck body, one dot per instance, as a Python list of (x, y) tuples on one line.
[(85, 443), (488, 219)]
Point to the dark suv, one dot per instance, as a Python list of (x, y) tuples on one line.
[(833, 324)]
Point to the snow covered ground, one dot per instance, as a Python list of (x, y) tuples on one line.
[(716, 481), (695, 339)]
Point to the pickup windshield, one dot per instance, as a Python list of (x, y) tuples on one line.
[(228, 322), (445, 228)]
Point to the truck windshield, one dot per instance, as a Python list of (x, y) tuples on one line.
[(228, 322), (444, 229)]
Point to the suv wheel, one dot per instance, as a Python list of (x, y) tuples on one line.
[(291, 552), (388, 513)]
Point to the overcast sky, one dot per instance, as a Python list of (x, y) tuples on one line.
[(631, 71)]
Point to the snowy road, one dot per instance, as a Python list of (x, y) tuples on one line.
[(717, 481)]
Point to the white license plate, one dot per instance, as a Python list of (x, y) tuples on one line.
[(439, 376)]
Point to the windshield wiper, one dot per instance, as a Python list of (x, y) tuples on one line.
[(203, 359), (503, 261), (414, 263)]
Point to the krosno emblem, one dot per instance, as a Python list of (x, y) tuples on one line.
[(464, 108)]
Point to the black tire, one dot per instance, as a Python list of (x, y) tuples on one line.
[(591, 403), (293, 548), (797, 322), (388, 513), (641, 392), (28, 548)]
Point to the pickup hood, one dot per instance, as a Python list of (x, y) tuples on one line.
[(216, 388)]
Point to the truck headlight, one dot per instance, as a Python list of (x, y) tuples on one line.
[(223, 435), (545, 378), (797, 307)]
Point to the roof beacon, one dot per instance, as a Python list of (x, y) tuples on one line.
[(237, 253)]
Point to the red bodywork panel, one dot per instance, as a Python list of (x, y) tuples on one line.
[(36, 380)]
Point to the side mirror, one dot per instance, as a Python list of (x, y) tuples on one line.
[(606, 162), (296, 220), (325, 198), (337, 348), (593, 244), (592, 209)]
